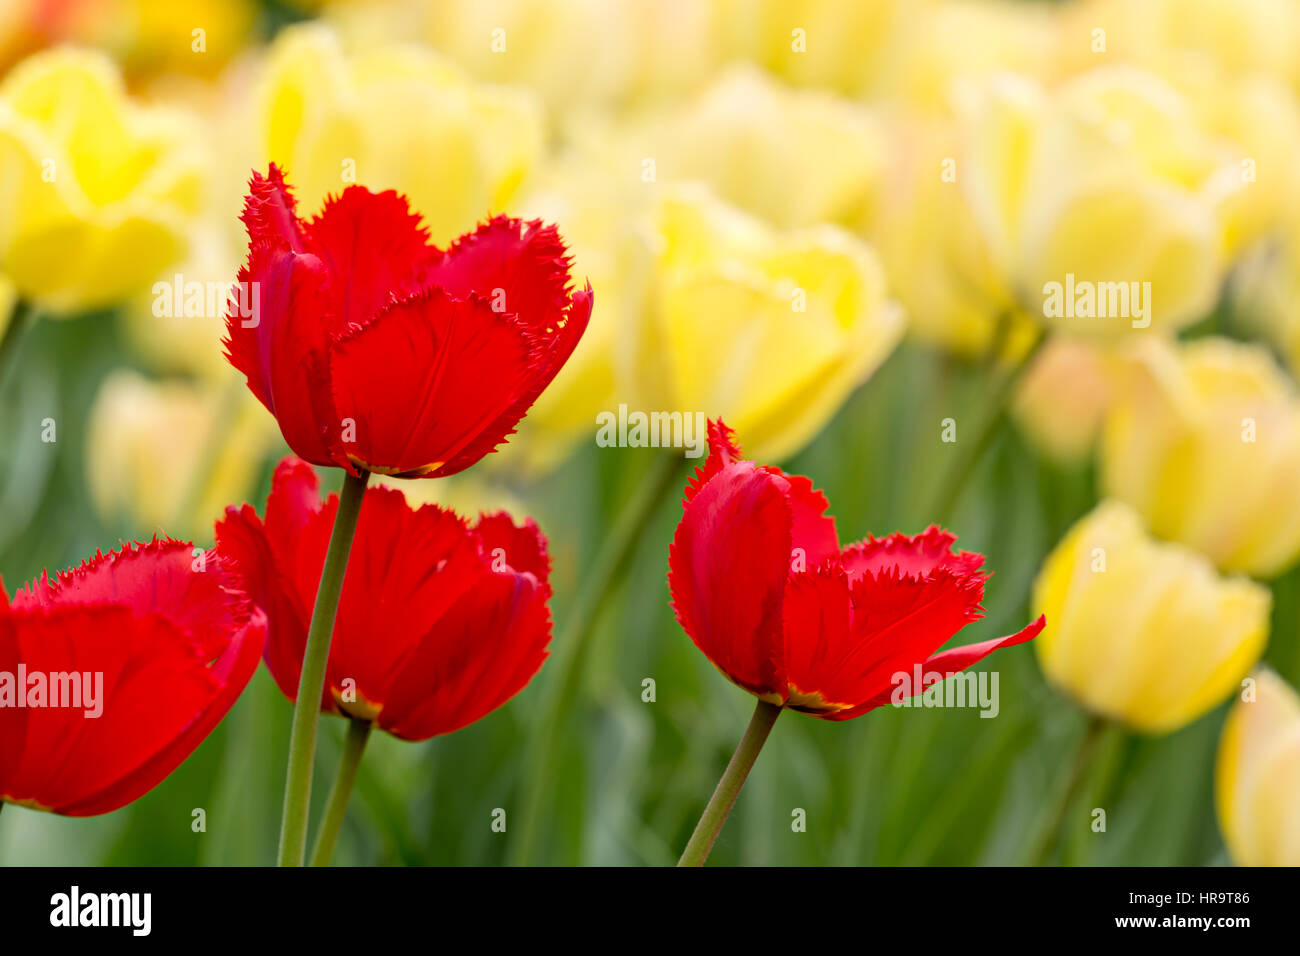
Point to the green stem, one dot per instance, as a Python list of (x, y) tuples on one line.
[(541, 751), (337, 805), (950, 489), (728, 789), (23, 315), (311, 686), (1067, 792)]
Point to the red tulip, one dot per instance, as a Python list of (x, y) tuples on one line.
[(762, 586), (377, 351), (439, 621), (160, 650)]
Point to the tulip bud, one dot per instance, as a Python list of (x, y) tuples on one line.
[(1257, 777), (1143, 632)]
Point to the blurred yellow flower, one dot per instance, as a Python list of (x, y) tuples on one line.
[(1064, 397), (1143, 632), (1094, 200), (1205, 443), (155, 36), (96, 190), (1221, 38), (955, 295), (845, 45), (575, 54), (1257, 776), (395, 117), (769, 330), (945, 47), (793, 157), (170, 455)]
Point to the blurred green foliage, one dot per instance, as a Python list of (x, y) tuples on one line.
[(915, 786)]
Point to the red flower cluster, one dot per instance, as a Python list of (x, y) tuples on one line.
[(439, 621), (762, 586), (376, 350), (163, 648)]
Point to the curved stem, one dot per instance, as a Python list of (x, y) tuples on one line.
[(337, 804), (950, 489), (306, 711), (570, 649), (1066, 792), (728, 789), (23, 315)]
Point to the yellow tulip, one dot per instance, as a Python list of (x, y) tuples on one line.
[(769, 330), (169, 456), (96, 191), (1093, 200), (955, 295), (1142, 632), (395, 117), (1257, 777), (1205, 444)]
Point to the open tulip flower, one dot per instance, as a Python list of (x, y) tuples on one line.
[(111, 674), (377, 351), (440, 621), (762, 586)]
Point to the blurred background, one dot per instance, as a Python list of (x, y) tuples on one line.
[(832, 223)]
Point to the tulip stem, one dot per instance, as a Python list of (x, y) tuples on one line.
[(570, 649), (728, 789), (337, 804), (1066, 792), (311, 686), (22, 316), (953, 483)]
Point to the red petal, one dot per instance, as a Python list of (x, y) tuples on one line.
[(522, 547), (426, 379), (818, 634), (157, 577), (898, 621), (949, 662), (376, 252), (911, 555), (174, 646), (728, 565), (282, 349), (233, 670), (723, 451), (270, 213), (406, 570), (479, 654), (813, 530), (522, 268), (549, 353)]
